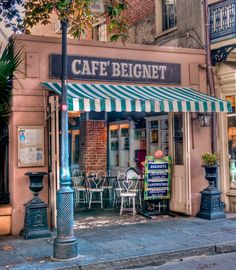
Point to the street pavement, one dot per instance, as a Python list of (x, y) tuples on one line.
[(126, 246), (216, 262)]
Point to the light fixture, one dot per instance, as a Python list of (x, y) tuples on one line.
[(232, 133), (204, 119)]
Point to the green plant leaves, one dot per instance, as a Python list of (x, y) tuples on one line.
[(9, 62)]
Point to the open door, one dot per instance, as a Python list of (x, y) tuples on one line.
[(180, 200)]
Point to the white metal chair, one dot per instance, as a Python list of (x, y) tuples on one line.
[(95, 186), (79, 185), (132, 174), (128, 189)]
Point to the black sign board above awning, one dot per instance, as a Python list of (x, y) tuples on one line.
[(108, 69)]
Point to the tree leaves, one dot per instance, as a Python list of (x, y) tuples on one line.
[(9, 62), (76, 12)]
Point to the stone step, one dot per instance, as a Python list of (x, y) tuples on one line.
[(5, 219)]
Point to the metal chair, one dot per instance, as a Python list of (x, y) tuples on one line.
[(131, 173), (95, 186), (128, 192), (79, 185)]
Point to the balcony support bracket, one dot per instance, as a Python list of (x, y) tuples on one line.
[(221, 54)]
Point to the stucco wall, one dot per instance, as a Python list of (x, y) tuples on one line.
[(29, 100)]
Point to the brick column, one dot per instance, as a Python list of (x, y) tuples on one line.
[(93, 145)]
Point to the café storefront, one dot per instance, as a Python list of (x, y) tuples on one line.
[(125, 102)]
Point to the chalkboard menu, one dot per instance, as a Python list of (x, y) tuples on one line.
[(157, 178)]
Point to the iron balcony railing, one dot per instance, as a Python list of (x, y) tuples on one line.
[(222, 20)]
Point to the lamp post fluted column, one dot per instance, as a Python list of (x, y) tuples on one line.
[(65, 245)]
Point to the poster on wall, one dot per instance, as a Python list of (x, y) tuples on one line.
[(157, 178), (30, 146)]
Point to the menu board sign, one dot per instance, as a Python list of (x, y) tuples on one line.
[(157, 178), (30, 146)]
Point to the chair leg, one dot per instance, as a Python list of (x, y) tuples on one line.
[(78, 192), (86, 196), (76, 198), (134, 211), (140, 199), (90, 199), (114, 198), (101, 198), (121, 206)]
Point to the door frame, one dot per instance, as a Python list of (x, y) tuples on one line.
[(186, 159)]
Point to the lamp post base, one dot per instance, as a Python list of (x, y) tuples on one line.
[(65, 249), (211, 205)]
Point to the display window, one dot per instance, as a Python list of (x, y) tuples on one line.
[(232, 141)]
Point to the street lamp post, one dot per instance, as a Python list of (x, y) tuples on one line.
[(65, 245)]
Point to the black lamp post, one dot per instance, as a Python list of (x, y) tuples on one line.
[(65, 245)]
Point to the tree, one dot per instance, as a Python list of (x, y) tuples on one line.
[(9, 62), (10, 14), (77, 13)]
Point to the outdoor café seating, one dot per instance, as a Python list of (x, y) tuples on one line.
[(128, 192), (95, 186), (80, 189), (123, 190)]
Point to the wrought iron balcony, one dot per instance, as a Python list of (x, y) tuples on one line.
[(222, 20)]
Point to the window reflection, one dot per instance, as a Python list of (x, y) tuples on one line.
[(169, 14), (232, 141), (178, 139)]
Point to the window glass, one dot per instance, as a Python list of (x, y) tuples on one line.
[(100, 32), (178, 139), (168, 14), (232, 141)]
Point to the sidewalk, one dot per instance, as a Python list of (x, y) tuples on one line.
[(125, 246)]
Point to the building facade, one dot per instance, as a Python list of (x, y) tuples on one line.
[(36, 107), (151, 23)]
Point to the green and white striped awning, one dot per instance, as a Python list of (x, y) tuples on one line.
[(110, 97)]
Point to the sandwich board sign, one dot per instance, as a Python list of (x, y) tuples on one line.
[(157, 178)]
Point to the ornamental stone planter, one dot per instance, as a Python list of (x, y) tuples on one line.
[(211, 205), (36, 225)]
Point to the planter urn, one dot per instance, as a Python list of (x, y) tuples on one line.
[(211, 205), (36, 225)]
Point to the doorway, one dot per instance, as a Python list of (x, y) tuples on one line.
[(180, 200)]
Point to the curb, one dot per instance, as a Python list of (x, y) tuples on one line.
[(156, 259), (146, 260)]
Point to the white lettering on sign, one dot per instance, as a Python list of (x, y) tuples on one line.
[(163, 70), (75, 66), (115, 69), (103, 71), (118, 69), (86, 68), (137, 71), (95, 67)]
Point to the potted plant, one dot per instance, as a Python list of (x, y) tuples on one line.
[(210, 163)]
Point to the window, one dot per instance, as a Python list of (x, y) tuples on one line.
[(178, 139), (165, 11), (100, 32), (168, 14), (232, 141)]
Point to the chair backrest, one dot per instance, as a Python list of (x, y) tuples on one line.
[(131, 173), (76, 173), (78, 179), (94, 181), (125, 184), (101, 173)]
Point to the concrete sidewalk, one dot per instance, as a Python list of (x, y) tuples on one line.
[(125, 246)]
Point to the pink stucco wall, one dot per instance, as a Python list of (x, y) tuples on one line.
[(29, 102)]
